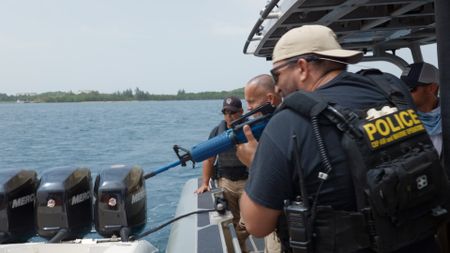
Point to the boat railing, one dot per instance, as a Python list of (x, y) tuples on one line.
[(234, 238), (256, 30)]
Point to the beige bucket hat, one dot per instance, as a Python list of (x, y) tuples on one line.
[(316, 39)]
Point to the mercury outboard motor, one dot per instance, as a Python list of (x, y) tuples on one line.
[(120, 202), (64, 204), (17, 193)]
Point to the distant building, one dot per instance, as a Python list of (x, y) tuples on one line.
[(83, 91), (26, 94)]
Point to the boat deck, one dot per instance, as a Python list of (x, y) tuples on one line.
[(204, 232)]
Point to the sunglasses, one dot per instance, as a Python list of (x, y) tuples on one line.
[(275, 72), (417, 86), (228, 112)]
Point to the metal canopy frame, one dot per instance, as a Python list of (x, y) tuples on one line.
[(443, 48), (376, 26)]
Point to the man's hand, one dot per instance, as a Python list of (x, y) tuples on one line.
[(246, 151), (202, 189), (207, 173)]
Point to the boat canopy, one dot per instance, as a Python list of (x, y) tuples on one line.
[(376, 26)]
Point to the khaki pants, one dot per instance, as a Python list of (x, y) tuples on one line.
[(232, 193), (272, 243)]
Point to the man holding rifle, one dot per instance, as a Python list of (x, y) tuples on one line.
[(258, 91), (230, 172)]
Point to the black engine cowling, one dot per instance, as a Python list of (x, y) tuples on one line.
[(64, 203), (17, 194), (120, 201)]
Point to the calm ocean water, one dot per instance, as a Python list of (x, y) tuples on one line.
[(100, 134)]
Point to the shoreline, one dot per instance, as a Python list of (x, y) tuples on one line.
[(106, 101)]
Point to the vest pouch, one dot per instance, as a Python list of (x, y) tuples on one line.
[(407, 187), (403, 194), (404, 184)]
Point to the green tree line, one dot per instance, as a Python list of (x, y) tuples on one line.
[(126, 95)]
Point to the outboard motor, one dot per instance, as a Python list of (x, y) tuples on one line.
[(17, 194), (120, 202), (64, 204)]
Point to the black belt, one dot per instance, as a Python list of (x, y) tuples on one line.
[(233, 173), (337, 232)]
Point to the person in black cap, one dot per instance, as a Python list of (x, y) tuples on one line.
[(423, 81), (231, 173)]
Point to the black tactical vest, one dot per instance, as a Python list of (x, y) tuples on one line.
[(401, 189), (227, 164)]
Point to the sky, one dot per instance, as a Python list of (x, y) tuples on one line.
[(112, 45)]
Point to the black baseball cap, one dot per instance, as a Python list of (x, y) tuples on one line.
[(232, 103), (418, 74)]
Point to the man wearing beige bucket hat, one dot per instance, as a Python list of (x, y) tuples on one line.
[(310, 59)]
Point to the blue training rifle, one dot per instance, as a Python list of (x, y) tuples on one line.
[(216, 145)]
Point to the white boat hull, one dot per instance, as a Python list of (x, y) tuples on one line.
[(80, 246)]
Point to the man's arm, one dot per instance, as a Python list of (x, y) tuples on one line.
[(259, 220), (207, 171)]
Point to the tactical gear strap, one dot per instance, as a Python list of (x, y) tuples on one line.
[(356, 165), (387, 86)]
